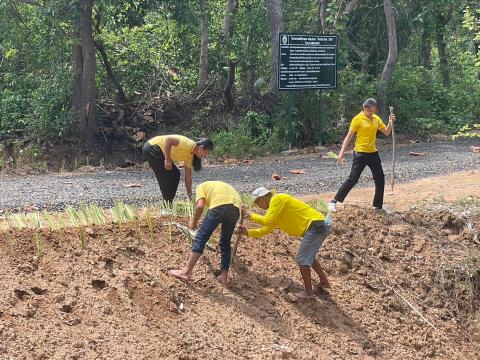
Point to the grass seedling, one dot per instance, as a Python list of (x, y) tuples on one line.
[(320, 205), (118, 213), (97, 215), (129, 213), (149, 222), (73, 216), (38, 236), (61, 231), (50, 222), (247, 199), (19, 221), (131, 216), (86, 212), (83, 236)]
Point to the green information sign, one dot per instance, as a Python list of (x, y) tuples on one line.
[(307, 62)]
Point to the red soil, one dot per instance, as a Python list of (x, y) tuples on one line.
[(115, 300)]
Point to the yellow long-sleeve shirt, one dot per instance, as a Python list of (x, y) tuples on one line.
[(286, 213)]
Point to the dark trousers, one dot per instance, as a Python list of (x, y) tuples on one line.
[(168, 180), (227, 215), (360, 160)]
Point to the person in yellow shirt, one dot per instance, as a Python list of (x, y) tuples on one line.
[(295, 218), (224, 204), (365, 126), (162, 151)]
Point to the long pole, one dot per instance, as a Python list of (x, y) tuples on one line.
[(237, 240), (393, 150)]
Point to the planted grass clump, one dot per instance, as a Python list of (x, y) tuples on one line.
[(126, 220), (79, 222), (38, 235), (149, 221)]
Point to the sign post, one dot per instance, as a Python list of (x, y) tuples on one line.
[(307, 62), (320, 119), (289, 119)]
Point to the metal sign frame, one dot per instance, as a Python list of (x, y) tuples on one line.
[(282, 37)]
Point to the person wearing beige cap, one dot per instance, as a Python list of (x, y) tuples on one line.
[(295, 218)]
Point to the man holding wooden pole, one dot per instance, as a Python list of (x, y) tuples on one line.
[(295, 218)]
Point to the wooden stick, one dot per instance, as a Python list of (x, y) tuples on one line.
[(393, 150), (411, 306), (237, 240)]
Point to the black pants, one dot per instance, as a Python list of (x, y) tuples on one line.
[(168, 180), (360, 160)]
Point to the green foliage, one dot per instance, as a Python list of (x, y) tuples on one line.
[(468, 131), (153, 47), (255, 136)]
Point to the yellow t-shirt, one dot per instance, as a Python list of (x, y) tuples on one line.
[(366, 131), (218, 193), (286, 213), (182, 152)]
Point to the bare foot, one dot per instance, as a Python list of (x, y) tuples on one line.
[(223, 280), (304, 295), (179, 274)]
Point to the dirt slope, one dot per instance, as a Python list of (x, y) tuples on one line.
[(115, 300)]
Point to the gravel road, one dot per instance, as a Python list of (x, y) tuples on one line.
[(57, 191)]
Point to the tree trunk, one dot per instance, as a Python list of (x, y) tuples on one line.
[(275, 18), (84, 98), (231, 8), (111, 75), (426, 46), (442, 51), (229, 86), (203, 66), (391, 59), (322, 5), (248, 72)]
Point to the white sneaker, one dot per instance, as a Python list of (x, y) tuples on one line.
[(382, 211), (332, 206)]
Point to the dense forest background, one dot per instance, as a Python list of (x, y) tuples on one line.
[(101, 75)]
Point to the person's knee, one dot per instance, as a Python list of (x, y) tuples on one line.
[(301, 261), (199, 245), (353, 179)]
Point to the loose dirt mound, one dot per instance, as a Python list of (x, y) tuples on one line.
[(113, 299)]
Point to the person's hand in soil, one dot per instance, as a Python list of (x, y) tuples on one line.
[(242, 230), (168, 165), (245, 211)]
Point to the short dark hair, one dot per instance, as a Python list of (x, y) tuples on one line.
[(205, 142), (369, 103)]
